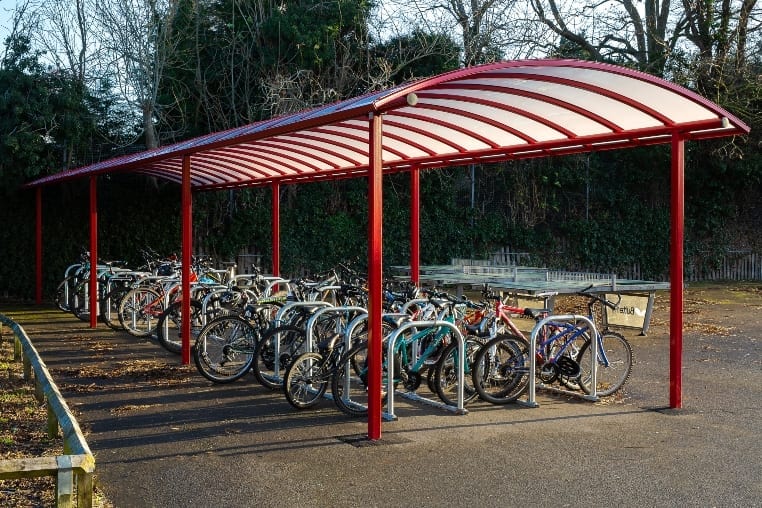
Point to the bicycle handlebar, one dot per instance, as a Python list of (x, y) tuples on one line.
[(602, 299)]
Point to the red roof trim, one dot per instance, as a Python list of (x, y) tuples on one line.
[(291, 145)]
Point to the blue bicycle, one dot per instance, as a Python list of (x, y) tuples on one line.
[(500, 370)]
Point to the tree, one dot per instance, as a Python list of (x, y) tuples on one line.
[(615, 30), (137, 40), (486, 30), (412, 56)]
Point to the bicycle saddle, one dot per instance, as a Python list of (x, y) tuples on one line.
[(536, 313)]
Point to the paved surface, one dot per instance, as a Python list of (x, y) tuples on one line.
[(165, 437)]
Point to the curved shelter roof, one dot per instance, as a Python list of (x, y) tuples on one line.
[(493, 112)]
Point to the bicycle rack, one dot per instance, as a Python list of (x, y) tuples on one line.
[(72, 268), (205, 302), (121, 276), (272, 282), (531, 402), (416, 301), (194, 287), (277, 322), (459, 409), (362, 315), (330, 310)]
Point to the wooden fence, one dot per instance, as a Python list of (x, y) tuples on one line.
[(735, 266), (73, 470)]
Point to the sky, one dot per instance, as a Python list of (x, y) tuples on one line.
[(6, 8)]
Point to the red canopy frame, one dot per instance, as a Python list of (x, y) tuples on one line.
[(489, 113)]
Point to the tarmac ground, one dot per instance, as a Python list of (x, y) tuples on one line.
[(163, 436)]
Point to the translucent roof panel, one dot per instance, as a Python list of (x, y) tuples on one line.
[(488, 113)]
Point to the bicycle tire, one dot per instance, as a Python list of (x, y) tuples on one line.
[(224, 349), (132, 315), (110, 307), (349, 385), (446, 376), (172, 341), (612, 377), (500, 371), (305, 381), (292, 341)]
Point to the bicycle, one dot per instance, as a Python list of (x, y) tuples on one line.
[(501, 367), (432, 352)]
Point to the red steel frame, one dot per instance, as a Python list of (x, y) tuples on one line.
[(415, 225), (276, 228), (374, 278), (93, 251), (187, 249), (296, 148), (677, 220)]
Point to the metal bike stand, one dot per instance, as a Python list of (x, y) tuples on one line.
[(459, 409), (531, 402), (68, 273), (220, 289), (272, 282), (124, 276), (416, 301), (348, 343), (167, 293), (145, 281), (357, 321), (329, 310), (289, 307), (362, 314)]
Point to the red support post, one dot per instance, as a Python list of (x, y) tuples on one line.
[(93, 289), (677, 219), (187, 250), (276, 228), (415, 225), (375, 220), (38, 247)]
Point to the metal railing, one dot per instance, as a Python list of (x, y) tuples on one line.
[(73, 470)]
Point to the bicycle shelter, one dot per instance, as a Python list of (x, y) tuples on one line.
[(489, 113)]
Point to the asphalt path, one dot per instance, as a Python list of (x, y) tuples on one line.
[(163, 436)]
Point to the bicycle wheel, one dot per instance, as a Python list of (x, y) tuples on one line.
[(269, 367), (614, 364), (500, 371), (139, 311), (305, 381), (168, 327), (110, 307), (446, 371), (349, 385), (224, 350)]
